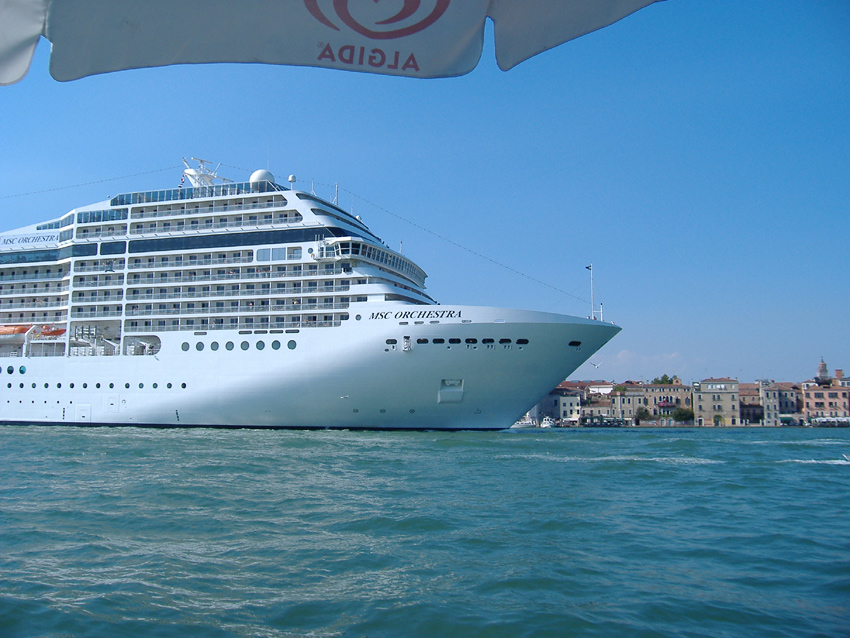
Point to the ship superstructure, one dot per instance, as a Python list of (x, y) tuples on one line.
[(251, 304)]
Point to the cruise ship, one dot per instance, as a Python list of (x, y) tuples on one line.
[(252, 304)]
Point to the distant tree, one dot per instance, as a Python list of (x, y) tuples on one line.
[(664, 380), (642, 414), (683, 415)]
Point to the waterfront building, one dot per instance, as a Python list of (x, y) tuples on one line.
[(826, 397), (759, 403), (716, 402)]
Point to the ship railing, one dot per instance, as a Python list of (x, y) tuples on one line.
[(104, 267), (191, 263), (213, 294), (207, 210), (80, 313), (230, 276), (13, 277), (100, 298), (14, 305), (229, 326), (99, 284), (242, 310), (206, 225), (33, 291)]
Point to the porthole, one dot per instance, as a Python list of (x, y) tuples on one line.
[(454, 340), (391, 342), (522, 341), (58, 385), (9, 385), (504, 340), (72, 386), (22, 370), (10, 370), (357, 317), (275, 345), (22, 386), (472, 341), (141, 385), (439, 340), (421, 341), (244, 345), (199, 346), (412, 411), (214, 345), (355, 410), (155, 386), (261, 345), (185, 347), (97, 385), (183, 385), (46, 385), (291, 345), (168, 385), (85, 385), (383, 411), (33, 385), (487, 341), (111, 385), (127, 386), (229, 345)]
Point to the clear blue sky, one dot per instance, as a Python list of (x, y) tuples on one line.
[(698, 153)]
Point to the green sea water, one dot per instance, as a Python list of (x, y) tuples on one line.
[(615, 532)]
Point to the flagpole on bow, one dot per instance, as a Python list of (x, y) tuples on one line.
[(592, 307)]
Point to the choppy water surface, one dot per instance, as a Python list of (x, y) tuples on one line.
[(107, 532)]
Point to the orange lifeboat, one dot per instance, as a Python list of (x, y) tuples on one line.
[(51, 331)]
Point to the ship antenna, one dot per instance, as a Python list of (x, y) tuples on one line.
[(592, 306)]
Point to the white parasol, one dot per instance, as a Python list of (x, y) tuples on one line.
[(417, 38)]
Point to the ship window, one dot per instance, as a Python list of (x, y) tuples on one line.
[(276, 345), (244, 345), (454, 340), (10, 370), (487, 341), (472, 341), (22, 370), (522, 341), (168, 385), (439, 340), (185, 346), (504, 340), (575, 344), (214, 345), (111, 385), (229, 345), (261, 345), (291, 345), (421, 341), (199, 346), (155, 386), (126, 385), (391, 342), (141, 385), (183, 385)]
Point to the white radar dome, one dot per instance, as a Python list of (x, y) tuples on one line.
[(261, 175)]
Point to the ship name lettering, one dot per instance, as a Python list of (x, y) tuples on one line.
[(376, 58), (418, 314)]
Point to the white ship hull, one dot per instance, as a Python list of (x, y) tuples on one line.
[(349, 377), (248, 304)]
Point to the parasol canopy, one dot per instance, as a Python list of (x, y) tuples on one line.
[(416, 38)]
